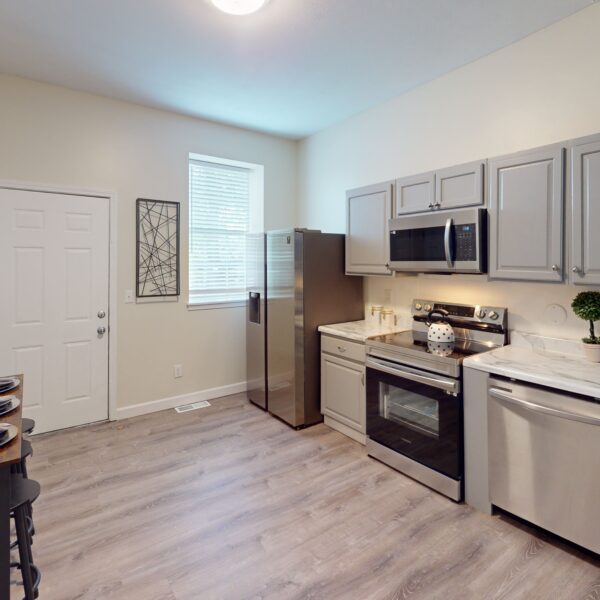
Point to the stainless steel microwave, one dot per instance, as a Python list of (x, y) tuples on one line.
[(440, 242)]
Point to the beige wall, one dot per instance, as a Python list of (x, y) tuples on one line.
[(56, 136), (543, 89)]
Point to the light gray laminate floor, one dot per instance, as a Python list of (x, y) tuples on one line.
[(229, 503)]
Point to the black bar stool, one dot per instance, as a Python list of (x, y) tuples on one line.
[(23, 493), (27, 425), (26, 452), (20, 468)]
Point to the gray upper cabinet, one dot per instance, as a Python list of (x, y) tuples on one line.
[(368, 211), (459, 186), (414, 194), (585, 211), (526, 198), (454, 187)]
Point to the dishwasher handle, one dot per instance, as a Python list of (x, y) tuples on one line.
[(506, 396)]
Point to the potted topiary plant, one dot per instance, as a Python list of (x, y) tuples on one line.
[(586, 306)]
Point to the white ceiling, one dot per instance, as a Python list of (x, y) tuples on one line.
[(291, 69)]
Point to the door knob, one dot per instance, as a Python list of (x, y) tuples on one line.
[(101, 314), (101, 330)]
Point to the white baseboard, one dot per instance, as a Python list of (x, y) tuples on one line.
[(144, 408)]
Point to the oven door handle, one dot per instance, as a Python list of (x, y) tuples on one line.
[(448, 385), (447, 232)]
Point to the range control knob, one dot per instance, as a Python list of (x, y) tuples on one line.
[(493, 315), (428, 307), (481, 314), (418, 306)]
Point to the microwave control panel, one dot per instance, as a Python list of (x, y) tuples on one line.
[(466, 241)]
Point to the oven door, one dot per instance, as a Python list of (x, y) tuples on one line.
[(416, 413)]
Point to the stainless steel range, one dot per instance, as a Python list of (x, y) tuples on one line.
[(414, 391)]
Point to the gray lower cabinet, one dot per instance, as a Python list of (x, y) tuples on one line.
[(585, 211), (526, 206), (368, 211), (343, 399)]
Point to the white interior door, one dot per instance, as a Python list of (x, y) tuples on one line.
[(54, 269)]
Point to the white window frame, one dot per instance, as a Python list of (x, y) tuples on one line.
[(255, 216)]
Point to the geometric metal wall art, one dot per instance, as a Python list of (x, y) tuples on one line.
[(157, 241)]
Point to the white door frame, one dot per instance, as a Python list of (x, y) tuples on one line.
[(111, 198)]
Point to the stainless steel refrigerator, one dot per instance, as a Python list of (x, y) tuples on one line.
[(298, 285), (256, 324)]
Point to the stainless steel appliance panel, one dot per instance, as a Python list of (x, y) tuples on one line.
[(440, 242), (417, 414), (431, 478), (544, 459), (256, 320), (329, 296), (281, 310), (306, 287)]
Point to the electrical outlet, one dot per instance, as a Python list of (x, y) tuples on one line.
[(177, 371)]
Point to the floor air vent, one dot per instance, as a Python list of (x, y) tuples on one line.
[(194, 406)]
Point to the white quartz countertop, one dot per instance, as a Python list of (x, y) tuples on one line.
[(550, 362), (358, 331)]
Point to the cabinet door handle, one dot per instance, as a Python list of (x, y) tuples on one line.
[(575, 269), (555, 268), (362, 379), (342, 349)]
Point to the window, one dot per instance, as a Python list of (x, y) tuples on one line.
[(225, 205)]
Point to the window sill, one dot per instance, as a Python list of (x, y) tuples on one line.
[(216, 305)]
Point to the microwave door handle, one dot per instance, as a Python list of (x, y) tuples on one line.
[(447, 232)]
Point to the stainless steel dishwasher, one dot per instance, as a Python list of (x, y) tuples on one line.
[(544, 458)]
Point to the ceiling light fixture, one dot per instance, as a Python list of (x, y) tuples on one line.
[(239, 7)]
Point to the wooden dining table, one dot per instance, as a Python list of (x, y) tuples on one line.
[(9, 455)]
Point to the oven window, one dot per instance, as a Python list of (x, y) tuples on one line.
[(415, 419), (425, 244), (410, 409)]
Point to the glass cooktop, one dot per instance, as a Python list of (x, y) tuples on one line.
[(416, 341)]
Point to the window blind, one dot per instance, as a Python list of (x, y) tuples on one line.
[(219, 215)]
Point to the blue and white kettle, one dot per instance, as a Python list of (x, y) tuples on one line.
[(440, 330)]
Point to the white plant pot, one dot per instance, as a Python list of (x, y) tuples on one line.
[(592, 352)]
